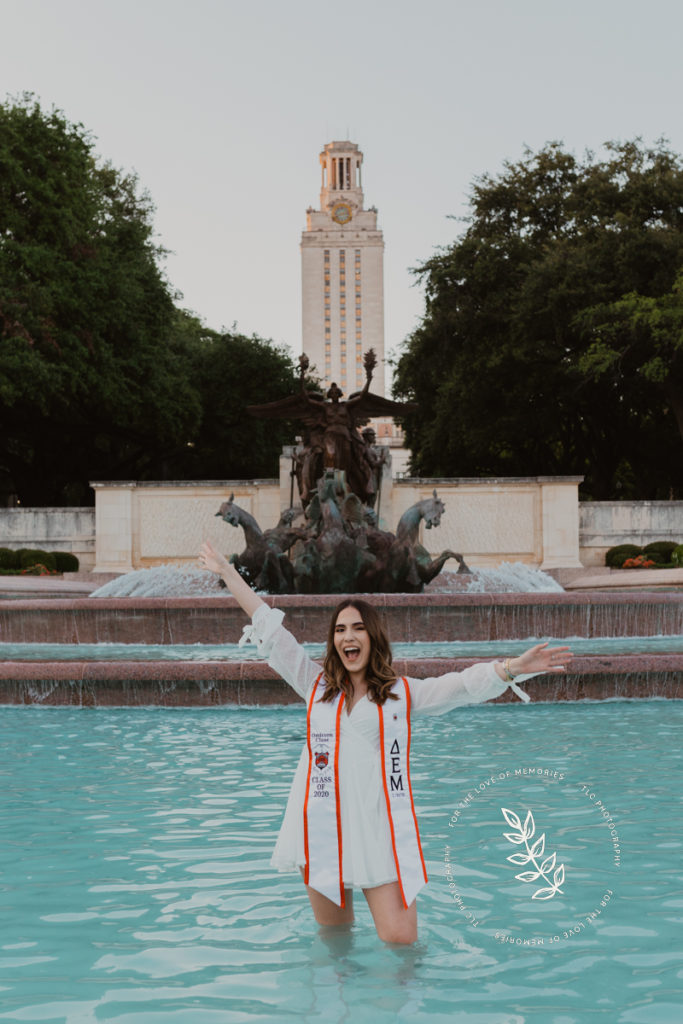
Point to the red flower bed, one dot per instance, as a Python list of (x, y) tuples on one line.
[(639, 562)]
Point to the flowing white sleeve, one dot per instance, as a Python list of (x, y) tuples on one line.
[(473, 685), (284, 654)]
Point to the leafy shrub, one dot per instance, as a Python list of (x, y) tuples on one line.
[(616, 557), (660, 550), (677, 556), (33, 556), (8, 559), (65, 561)]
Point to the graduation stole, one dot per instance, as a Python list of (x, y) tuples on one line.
[(323, 841)]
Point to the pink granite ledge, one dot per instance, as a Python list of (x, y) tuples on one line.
[(286, 601), (188, 684), (409, 617)]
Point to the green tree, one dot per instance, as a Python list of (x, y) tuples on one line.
[(639, 338), (500, 365), (230, 372), (94, 379)]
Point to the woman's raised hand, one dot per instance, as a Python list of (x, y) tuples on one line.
[(212, 560)]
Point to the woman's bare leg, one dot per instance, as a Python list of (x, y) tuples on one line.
[(393, 922), (328, 913)]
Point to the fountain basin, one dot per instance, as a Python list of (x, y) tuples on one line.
[(410, 617), (248, 683)]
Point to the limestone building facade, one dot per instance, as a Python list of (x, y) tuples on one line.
[(342, 264)]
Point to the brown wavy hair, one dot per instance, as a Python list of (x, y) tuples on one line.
[(379, 674)]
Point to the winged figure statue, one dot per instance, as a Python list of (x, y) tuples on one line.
[(331, 436)]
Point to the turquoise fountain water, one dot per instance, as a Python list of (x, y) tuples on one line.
[(136, 889), (49, 652)]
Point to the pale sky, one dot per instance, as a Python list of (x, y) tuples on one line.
[(222, 107)]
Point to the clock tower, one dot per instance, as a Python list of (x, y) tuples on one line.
[(342, 254)]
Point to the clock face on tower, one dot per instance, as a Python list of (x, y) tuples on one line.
[(341, 213)]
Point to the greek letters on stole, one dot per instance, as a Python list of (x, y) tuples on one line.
[(323, 840)]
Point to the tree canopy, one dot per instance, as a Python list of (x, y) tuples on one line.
[(101, 375), (551, 342), (230, 372)]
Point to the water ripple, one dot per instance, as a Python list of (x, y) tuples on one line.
[(135, 884)]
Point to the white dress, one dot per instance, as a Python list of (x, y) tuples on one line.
[(367, 853)]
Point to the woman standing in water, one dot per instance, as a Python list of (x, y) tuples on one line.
[(350, 821)]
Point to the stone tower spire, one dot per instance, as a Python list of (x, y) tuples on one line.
[(342, 253)]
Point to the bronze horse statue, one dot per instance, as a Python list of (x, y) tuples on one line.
[(263, 563), (340, 551), (409, 558)]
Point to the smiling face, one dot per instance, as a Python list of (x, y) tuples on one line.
[(352, 641)]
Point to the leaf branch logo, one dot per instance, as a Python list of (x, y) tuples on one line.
[(532, 856)]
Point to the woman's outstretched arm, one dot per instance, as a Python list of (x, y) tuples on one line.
[(246, 598), (284, 654), (486, 680)]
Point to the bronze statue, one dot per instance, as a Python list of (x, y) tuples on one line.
[(332, 440), (337, 546), (374, 458), (264, 563), (341, 551)]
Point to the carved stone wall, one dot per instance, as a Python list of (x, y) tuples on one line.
[(145, 524), (534, 520), (489, 521)]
